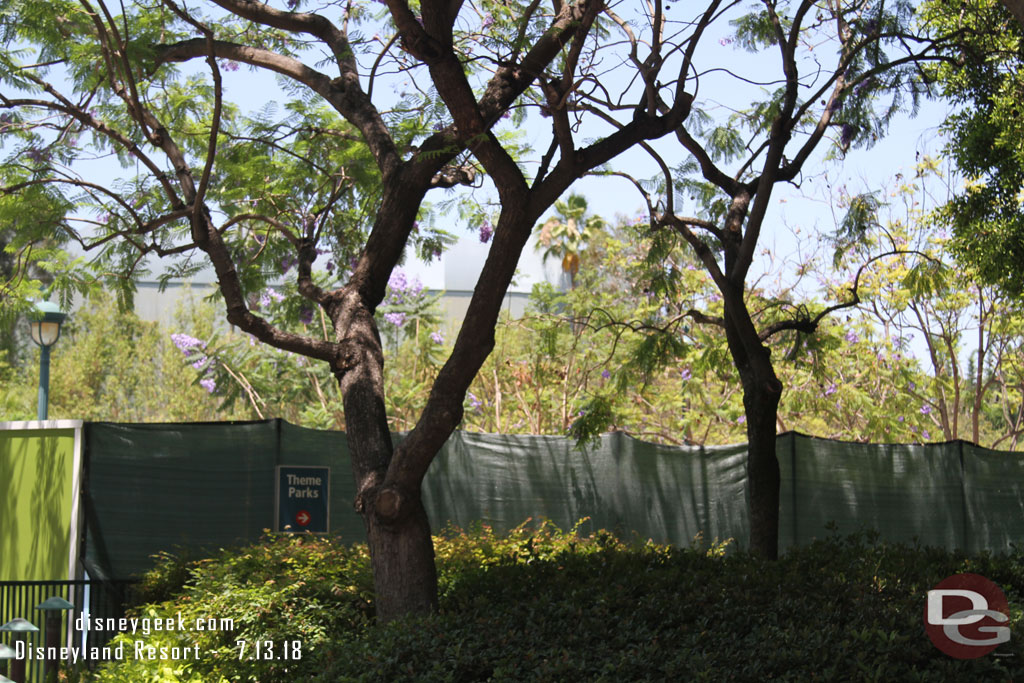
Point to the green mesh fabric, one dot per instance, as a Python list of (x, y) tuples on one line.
[(204, 486)]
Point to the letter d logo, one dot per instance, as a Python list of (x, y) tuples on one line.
[(962, 614)]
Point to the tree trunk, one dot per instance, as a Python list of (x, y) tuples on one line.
[(397, 528), (761, 404), (761, 393), (402, 556)]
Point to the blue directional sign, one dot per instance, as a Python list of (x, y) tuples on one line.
[(301, 496)]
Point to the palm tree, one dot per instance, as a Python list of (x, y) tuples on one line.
[(566, 235)]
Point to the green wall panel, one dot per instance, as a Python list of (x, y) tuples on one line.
[(36, 497)]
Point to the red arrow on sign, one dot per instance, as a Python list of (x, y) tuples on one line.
[(302, 519)]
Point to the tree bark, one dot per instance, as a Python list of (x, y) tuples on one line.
[(761, 393), (401, 547), (761, 403), (402, 557), (1016, 8)]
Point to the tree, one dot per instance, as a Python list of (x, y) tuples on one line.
[(110, 365), (567, 235), (340, 169), (733, 166), (970, 332), (984, 78)]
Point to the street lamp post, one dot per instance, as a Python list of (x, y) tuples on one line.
[(45, 330)]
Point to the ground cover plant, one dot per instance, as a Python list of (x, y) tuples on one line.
[(542, 604)]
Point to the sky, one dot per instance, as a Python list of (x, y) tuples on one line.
[(806, 209)]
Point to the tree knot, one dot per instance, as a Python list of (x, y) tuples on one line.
[(389, 504)]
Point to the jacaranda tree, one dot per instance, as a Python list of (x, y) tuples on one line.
[(827, 76), (381, 107)]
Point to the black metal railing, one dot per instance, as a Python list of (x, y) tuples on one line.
[(94, 598)]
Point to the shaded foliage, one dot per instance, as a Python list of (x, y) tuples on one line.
[(542, 604)]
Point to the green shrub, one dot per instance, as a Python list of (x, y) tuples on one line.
[(283, 590), (541, 604)]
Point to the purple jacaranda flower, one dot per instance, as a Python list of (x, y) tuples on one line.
[(487, 22), (725, 41), (230, 65), (830, 389), (437, 337), (925, 435), (330, 266), (926, 409), (208, 384), (606, 374), (686, 374), (286, 264), (398, 282), (396, 318), (846, 136), (200, 362), (485, 232), (37, 155), (836, 106), (437, 254), (852, 337), (741, 419), (187, 343), (474, 402), (306, 316), (911, 386), (900, 418)]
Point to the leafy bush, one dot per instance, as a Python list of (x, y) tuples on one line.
[(283, 589), (541, 604)]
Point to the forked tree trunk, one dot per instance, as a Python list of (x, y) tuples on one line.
[(401, 547)]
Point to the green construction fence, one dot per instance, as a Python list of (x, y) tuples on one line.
[(157, 487)]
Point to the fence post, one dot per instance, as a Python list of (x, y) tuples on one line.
[(792, 485), (965, 527)]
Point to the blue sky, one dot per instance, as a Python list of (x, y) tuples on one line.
[(806, 208)]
